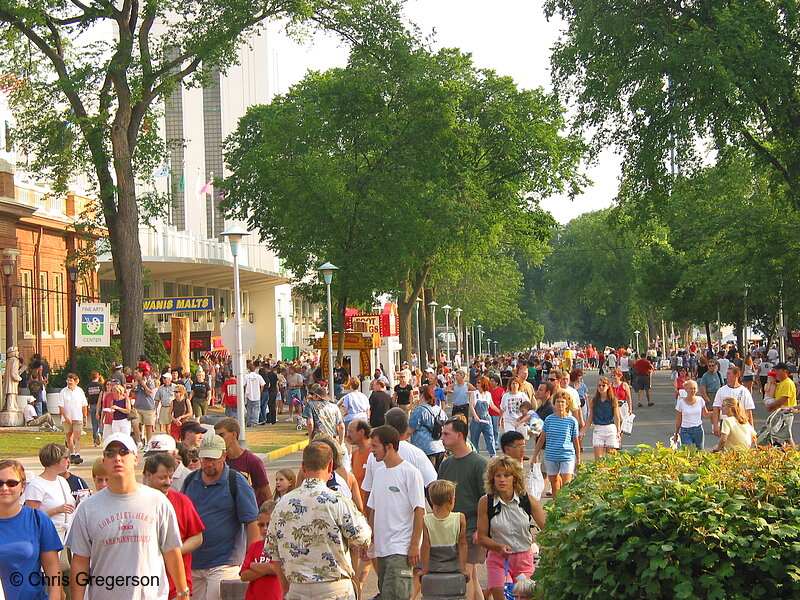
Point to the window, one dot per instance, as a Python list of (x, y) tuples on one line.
[(44, 303), (60, 299), (169, 289), (27, 301)]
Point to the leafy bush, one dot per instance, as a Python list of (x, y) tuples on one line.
[(87, 360), (154, 346), (657, 523)]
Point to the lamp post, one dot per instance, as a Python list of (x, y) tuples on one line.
[(446, 309), (458, 312), (472, 337), (433, 304), (637, 332), (9, 266), (72, 274), (488, 346), (419, 345), (326, 271), (495, 345), (480, 338), (234, 236)]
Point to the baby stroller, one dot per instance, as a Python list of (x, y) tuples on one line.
[(301, 423), (777, 430)]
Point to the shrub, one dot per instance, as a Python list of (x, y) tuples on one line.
[(154, 346), (656, 523)]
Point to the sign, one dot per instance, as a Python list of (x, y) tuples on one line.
[(385, 324), (181, 304), (228, 334), (352, 341), (781, 331), (93, 324)]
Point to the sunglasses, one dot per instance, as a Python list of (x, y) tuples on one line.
[(552, 379), (194, 460), (111, 452), (11, 483)]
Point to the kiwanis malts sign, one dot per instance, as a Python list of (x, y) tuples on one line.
[(183, 304)]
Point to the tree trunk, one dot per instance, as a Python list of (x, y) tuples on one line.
[(708, 334), (404, 314), (181, 333), (405, 307), (126, 252)]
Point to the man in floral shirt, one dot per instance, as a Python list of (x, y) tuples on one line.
[(311, 532), (323, 416)]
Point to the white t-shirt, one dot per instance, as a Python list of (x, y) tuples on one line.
[(126, 534), (51, 494), (773, 354), (741, 393), (72, 401), (396, 493), (692, 413), (764, 368), (611, 361), (724, 365), (253, 383), (29, 413), (624, 364), (357, 405), (409, 453)]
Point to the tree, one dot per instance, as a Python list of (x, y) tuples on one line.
[(656, 78), (413, 163), (88, 104)]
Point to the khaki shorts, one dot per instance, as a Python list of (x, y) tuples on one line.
[(476, 554), (395, 580), (165, 415), (147, 417), (74, 427)]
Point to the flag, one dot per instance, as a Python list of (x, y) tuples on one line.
[(163, 171), (206, 189)]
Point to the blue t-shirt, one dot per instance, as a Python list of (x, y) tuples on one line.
[(440, 396), (224, 542), (422, 422), (558, 446), (25, 537), (460, 395)]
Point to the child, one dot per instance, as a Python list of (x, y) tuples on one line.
[(258, 568), (444, 532), (526, 414), (99, 475), (285, 482)]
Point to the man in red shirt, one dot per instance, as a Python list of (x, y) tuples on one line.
[(229, 398), (644, 375), (157, 474)]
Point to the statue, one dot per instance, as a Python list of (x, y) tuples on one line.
[(11, 381)]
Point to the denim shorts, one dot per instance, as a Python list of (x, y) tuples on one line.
[(565, 467)]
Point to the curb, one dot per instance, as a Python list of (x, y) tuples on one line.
[(281, 452)]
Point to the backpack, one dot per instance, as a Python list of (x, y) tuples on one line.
[(493, 509), (439, 419)]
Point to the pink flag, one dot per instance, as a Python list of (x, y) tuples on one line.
[(207, 188)]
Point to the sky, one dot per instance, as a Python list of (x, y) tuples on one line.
[(510, 36)]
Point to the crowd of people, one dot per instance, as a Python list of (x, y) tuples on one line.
[(393, 479)]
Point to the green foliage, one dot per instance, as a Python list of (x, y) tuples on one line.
[(656, 523), (86, 361), (154, 348), (654, 78)]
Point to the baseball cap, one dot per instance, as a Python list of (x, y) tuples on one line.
[(319, 390), (429, 370), (772, 374), (167, 375), (192, 426), (212, 446), (120, 438), (782, 366), (160, 443)]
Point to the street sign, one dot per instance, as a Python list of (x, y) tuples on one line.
[(781, 331), (228, 334), (92, 324)]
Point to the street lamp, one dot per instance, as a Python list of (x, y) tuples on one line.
[(480, 338), (419, 345), (458, 312), (637, 332), (9, 266), (495, 346), (234, 236), (488, 346), (472, 337), (326, 271), (446, 309), (72, 274), (433, 304)]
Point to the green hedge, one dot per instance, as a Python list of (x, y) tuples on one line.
[(656, 523)]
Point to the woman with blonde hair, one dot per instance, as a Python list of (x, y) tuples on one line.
[(737, 433), (504, 517)]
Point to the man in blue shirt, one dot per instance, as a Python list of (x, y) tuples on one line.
[(225, 501)]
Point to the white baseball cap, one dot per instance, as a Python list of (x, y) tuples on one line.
[(120, 438), (160, 443)]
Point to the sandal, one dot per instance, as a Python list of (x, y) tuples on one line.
[(651, 404), (640, 405)]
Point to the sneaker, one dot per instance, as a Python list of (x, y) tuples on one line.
[(78, 460), (72, 459), (289, 420)]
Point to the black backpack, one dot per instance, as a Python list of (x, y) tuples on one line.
[(493, 509), (439, 419)]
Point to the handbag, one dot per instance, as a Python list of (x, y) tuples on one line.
[(508, 586), (535, 481), (627, 424), (133, 415)]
